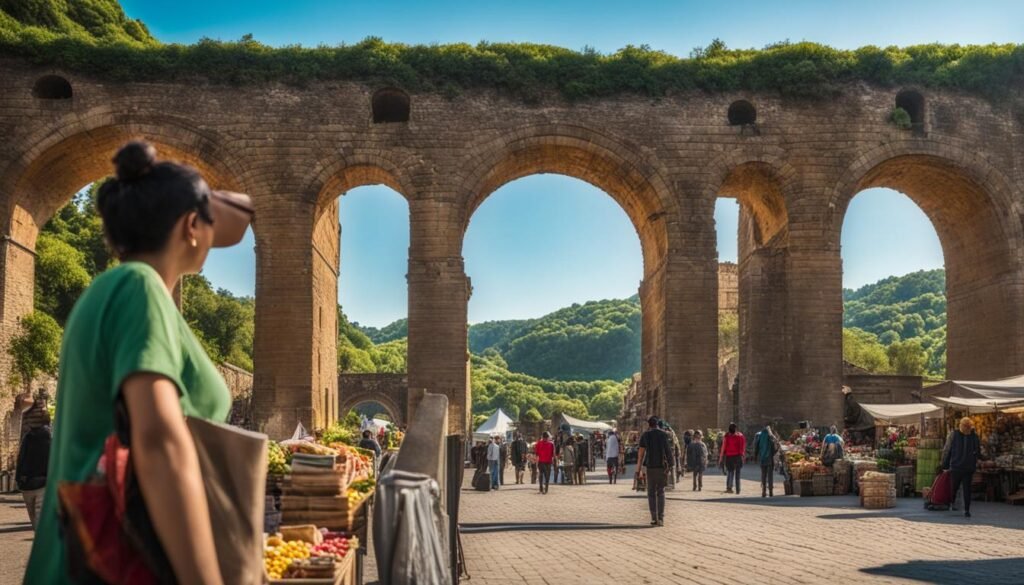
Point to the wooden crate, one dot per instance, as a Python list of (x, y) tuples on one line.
[(331, 513)]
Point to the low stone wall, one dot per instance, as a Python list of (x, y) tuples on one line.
[(238, 380), (883, 389)]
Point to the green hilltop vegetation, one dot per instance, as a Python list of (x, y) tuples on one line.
[(898, 324), (95, 37)]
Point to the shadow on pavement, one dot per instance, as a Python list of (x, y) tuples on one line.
[(26, 527), (954, 572), (950, 518), (483, 528)]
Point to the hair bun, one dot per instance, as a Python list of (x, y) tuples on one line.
[(134, 160)]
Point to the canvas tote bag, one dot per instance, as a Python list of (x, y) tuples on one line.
[(108, 532)]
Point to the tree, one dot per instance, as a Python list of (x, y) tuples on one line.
[(863, 350), (607, 405), (907, 358), (35, 349), (532, 415), (61, 277)]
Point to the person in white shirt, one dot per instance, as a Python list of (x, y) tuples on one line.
[(611, 456), (493, 459)]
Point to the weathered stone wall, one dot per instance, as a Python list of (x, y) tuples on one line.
[(728, 287), (881, 389), (665, 161), (238, 380)]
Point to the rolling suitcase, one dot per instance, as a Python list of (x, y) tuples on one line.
[(941, 495), (482, 481)]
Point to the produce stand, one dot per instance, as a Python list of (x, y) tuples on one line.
[(997, 409), (312, 556), (319, 496)]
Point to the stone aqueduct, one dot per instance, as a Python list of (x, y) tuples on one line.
[(665, 161)]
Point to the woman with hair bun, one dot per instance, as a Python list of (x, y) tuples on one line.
[(126, 345)]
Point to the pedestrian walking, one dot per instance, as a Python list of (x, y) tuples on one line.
[(697, 460), (611, 452), (654, 458), (30, 472), (127, 347), (531, 461), (582, 459), (503, 459), (545, 452), (494, 462), (569, 461), (682, 465), (519, 452), (962, 460), (957, 500), (734, 445), (766, 445)]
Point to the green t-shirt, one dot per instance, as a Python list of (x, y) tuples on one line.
[(125, 322)]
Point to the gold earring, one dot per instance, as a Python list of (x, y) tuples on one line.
[(194, 243)]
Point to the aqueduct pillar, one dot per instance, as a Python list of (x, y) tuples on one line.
[(439, 290)]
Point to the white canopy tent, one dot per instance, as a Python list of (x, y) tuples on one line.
[(978, 396), (902, 413), (585, 426), (498, 424)]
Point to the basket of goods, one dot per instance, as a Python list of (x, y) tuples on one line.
[(878, 490), (803, 487), (822, 484), (860, 468)]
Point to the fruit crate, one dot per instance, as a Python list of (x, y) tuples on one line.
[(344, 574)]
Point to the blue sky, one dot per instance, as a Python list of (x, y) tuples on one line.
[(546, 241)]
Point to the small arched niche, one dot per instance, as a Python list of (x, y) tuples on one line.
[(52, 87), (742, 113), (390, 105), (912, 102)]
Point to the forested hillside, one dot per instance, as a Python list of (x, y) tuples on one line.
[(898, 324), (72, 251)]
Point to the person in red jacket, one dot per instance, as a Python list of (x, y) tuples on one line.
[(733, 447), (545, 456)]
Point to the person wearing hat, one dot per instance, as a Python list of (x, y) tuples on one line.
[(127, 347), (654, 460)]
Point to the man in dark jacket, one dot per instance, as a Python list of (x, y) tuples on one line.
[(962, 460), (30, 473), (519, 451), (654, 460)]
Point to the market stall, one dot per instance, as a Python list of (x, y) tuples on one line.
[(318, 502), (997, 409), (908, 443)]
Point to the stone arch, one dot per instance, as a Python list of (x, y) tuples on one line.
[(972, 209), (760, 182), (333, 178), (636, 184), (389, 390), (58, 161)]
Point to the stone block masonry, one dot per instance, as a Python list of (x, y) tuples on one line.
[(664, 161)]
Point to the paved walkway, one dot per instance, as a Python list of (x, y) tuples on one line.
[(598, 533), (15, 538)]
